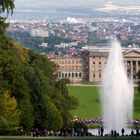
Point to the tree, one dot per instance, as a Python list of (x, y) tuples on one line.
[(9, 114), (52, 117), (7, 5), (35, 99), (67, 102)]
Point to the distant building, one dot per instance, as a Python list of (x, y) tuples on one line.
[(69, 67), (39, 32), (90, 67), (44, 45), (98, 59)]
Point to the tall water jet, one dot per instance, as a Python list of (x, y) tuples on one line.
[(117, 91)]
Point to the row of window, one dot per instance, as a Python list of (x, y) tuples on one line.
[(68, 61), (95, 75), (98, 63), (71, 68), (70, 75), (135, 76)]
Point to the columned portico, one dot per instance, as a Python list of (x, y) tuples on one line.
[(98, 60)]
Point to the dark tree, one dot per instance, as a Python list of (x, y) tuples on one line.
[(7, 6)]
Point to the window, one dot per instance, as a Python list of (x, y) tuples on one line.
[(134, 76), (72, 67), (72, 61), (80, 75), (72, 74), (76, 75), (66, 75), (69, 75), (65, 67), (62, 75), (65, 61), (59, 74), (69, 62), (69, 67)]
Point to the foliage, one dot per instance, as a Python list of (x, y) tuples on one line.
[(53, 120), (68, 102), (29, 96), (7, 5), (9, 114), (91, 39), (43, 102)]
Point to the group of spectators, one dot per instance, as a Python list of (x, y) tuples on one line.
[(94, 121), (35, 132), (99, 121), (79, 132), (70, 132)]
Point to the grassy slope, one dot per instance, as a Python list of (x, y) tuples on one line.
[(90, 105), (89, 101), (137, 105)]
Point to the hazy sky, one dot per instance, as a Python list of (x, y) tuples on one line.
[(33, 5)]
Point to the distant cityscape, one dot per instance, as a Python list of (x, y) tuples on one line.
[(78, 33)]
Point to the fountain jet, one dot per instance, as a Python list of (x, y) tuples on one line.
[(116, 92)]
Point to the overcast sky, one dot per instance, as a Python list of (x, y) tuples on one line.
[(33, 5)]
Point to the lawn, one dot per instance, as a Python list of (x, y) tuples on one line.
[(90, 105)]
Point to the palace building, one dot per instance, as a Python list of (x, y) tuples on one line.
[(69, 67), (98, 59), (90, 67)]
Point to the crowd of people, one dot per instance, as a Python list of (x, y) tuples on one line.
[(35, 132), (99, 121), (114, 133), (94, 121), (71, 132)]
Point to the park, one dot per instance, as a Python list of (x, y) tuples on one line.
[(35, 104)]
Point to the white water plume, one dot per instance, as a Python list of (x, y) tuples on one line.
[(117, 91)]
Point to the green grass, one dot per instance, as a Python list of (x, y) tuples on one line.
[(137, 105), (90, 105)]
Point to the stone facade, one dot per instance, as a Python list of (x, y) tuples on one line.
[(98, 59), (90, 67), (69, 67)]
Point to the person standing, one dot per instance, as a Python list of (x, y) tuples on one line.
[(123, 131), (21, 131), (102, 131)]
